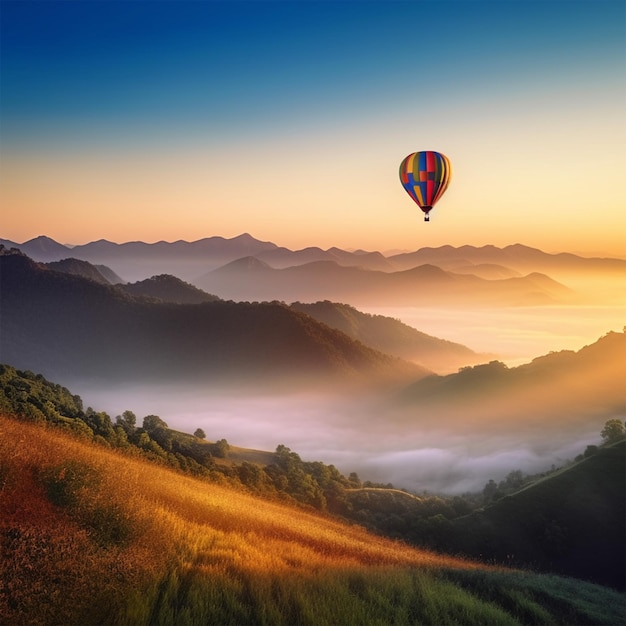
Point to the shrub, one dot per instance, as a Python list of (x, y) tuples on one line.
[(65, 482), (76, 487)]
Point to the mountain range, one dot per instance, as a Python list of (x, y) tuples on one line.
[(189, 261), (376, 331), (250, 278), (74, 327)]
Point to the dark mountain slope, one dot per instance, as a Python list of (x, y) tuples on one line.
[(572, 522), (391, 336), (99, 273), (70, 327), (376, 331), (169, 289)]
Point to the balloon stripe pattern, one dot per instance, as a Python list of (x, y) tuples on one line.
[(425, 176)]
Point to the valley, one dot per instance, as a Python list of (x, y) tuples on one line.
[(330, 385)]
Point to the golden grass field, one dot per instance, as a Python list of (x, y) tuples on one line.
[(91, 535)]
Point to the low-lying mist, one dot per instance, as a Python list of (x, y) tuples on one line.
[(440, 455)]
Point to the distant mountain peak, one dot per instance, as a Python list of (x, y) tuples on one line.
[(428, 270), (42, 239), (44, 244), (244, 237), (169, 289), (84, 269), (247, 263)]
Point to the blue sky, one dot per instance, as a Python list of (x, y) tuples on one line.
[(346, 87)]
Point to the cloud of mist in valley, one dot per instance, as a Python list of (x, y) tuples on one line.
[(451, 451), (354, 434)]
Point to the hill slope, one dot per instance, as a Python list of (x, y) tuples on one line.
[(567, 385), (99, 273), (79, 545), (571, 522), (70, 327), (391, 336)]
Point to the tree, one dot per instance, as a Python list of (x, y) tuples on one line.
[(613, 431), (128, 421), (590, 450), (221, 448), (152, 423), (199, 433), (354, 479), (489, 491), (100, 423), (158, 431)]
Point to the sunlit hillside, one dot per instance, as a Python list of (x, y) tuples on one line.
[(90, 535)]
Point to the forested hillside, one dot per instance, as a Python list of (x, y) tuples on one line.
[(71, 327), (572, 522), (392, 336)]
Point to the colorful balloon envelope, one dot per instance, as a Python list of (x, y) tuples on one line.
[(425, 176)]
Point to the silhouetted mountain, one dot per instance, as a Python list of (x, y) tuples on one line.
[(40, 248), (169, 289), (518, 257), (137, 260), (392, 336), (564, 386), (571, 522), (189, 260), (248, 279), (376, 331), (74, 328), (99, 273)]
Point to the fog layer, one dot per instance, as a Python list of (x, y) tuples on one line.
[(356, 435), (450, 443)]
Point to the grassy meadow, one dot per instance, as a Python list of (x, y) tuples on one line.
[(89, 535)]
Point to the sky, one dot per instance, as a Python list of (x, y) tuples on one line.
[(133, 120)]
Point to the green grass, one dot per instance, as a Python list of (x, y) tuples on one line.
[(543, 598)]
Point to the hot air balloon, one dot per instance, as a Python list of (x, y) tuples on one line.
[(425, 177)]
